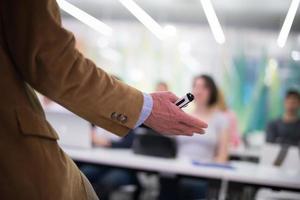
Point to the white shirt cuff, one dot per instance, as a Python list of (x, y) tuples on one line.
[(146, 109)]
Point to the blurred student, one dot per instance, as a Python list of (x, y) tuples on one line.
[(161, 86), (106, 180), (210, 147), (213, 146), (286, 129), (230, 116)]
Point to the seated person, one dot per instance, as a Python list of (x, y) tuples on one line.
[(104, 179), (286, 130), (230, 116), (210, 147), (103, 138), (161, 86)]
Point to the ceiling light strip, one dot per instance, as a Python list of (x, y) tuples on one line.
[(85, 18), (286, 27), (213, 21), (144, 18)]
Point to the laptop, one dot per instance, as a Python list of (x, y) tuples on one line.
[(270, 153), (73, 131)]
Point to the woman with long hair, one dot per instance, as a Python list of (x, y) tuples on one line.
[(209, 147)]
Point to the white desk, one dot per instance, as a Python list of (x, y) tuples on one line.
[(127, 159), (243, 173)]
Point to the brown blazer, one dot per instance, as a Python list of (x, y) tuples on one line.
[(36, 52)]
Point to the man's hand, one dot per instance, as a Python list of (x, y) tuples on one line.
[(167, 118)]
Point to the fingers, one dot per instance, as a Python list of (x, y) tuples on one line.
[(185, 129), (192, 122), (190, 129), (180, 131)]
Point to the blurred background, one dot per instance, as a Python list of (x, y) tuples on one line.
[(249, 66), (249, 50)]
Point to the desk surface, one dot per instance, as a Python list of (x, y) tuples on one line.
[(243, 172)]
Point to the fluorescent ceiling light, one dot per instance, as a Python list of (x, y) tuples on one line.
[(295, 55), (213, 21), (85, 18), (144, 18), (286, 27), (170, 30)]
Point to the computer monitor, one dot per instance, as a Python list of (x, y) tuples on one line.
[(270, 153)]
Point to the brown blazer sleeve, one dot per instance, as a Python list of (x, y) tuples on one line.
[(45, 56)]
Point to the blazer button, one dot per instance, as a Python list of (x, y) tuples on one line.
[(114, 116), (122, 118)]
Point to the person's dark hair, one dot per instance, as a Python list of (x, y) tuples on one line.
[(292, 93), (211, 85), (162, 83)]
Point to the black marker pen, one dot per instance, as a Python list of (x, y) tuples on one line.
[(184, 101)]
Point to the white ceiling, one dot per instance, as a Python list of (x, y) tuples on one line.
[(262, 14)]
